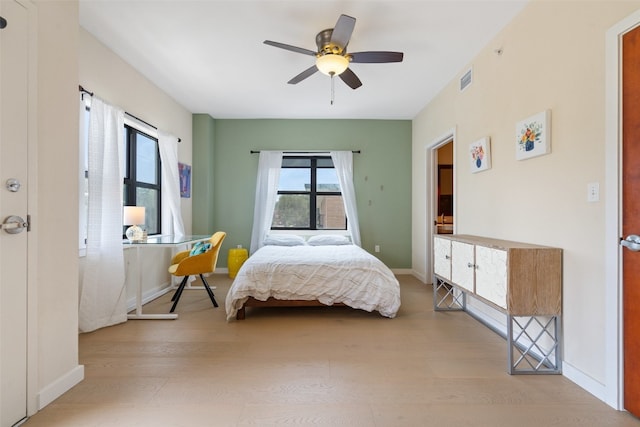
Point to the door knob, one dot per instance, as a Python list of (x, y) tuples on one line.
[(14, 224), (12, 185), (631, 242)]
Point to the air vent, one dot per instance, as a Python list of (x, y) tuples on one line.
[(465, 80)]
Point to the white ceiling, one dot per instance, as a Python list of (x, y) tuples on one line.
[(210, 57)]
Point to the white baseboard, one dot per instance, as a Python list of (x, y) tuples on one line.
[(401, 271), (420, 276), (586, 382), (150, 295), (60, 386), (499, 327), (596, 388), (158, 291)]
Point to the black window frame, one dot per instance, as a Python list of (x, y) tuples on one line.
[(131, 184), (313, 192)]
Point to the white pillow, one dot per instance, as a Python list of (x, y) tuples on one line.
[(328, 239), (283, 240)]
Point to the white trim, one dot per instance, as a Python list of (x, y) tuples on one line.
[(613, 388), (421, 277), (32, 202), (472, 308), (60, 386), (590, 385), (431, 171), (150, 295), (397, 271)]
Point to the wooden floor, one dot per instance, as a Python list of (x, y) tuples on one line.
[(312, 366)]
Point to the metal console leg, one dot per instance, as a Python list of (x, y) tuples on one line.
[(447, 297), (534, 345)]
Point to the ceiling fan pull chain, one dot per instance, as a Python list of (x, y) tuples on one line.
[(332, 88)]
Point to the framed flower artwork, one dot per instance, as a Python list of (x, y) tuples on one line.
[(480, 155), (533, 136)]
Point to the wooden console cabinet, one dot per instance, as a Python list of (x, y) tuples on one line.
[(522, 280)]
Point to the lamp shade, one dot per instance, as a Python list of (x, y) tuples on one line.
[(332, 64), (133, 215)]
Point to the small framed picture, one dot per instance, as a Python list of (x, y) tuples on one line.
[(533, 136), (185, 180), (480, 155)]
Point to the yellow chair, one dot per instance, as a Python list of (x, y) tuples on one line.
[(185, 264)]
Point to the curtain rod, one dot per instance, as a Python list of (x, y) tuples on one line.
[(305, 152), (127, 113)]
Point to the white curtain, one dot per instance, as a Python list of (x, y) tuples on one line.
[(343, 163), (266, 194), (171, 214), (102, 294)]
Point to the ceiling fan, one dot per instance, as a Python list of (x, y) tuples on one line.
[(332, 58)]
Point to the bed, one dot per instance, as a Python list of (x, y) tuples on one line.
[(306, 275)]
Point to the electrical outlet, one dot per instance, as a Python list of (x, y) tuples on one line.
[(377, 248), (593, 192)]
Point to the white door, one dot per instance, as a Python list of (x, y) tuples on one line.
[(491, 275), (442, 257), (13, 202), (462, 265)]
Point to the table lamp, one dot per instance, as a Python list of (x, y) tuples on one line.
[(133, 216)]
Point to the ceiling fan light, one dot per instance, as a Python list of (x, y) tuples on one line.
[(332, 64)]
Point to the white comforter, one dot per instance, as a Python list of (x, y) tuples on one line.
[(330, 274)]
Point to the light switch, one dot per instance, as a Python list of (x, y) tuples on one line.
[(593, 192)]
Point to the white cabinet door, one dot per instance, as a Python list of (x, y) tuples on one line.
[(442, 257), (462, 265), (491, 275)]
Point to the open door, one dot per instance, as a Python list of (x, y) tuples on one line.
[(631, 217), (14, 85)]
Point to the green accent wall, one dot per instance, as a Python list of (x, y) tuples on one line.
[(203, 174), (382, 175)]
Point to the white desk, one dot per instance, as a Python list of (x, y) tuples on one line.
[(156, 242)]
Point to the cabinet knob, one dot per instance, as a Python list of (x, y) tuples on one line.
[(470, 265)]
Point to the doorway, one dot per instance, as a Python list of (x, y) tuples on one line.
[(441, 184), (444, 189)]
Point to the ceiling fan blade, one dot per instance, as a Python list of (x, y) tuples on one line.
[(350, 78), (291, 48), (303, 75), (342, 31), (376, 57)]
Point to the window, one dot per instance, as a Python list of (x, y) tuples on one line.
[(142, 176), (309, 196), (142, 169)]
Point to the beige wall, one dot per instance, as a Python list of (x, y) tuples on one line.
[(55, 221), (112, 79), (115, 81), (553, 58), (66, 56)]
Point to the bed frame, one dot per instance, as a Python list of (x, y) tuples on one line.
[(272, 302)]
